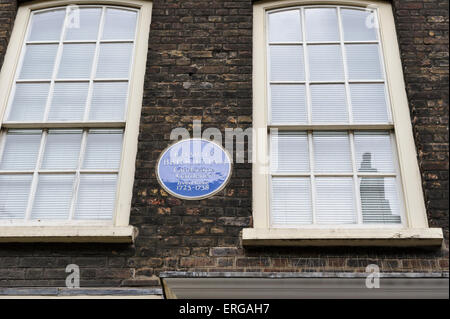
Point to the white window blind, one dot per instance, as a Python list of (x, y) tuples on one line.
[(291, 204), (333, 157), (61, 148)]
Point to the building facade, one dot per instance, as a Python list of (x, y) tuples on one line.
[(220, 62)]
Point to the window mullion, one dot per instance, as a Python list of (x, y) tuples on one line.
[(344, 61), (35, 180), (94, 66), (355, 178), (76, 183), (398, 180), (312, 177), (309, 115), (55, 68), (306, 64), (2, 142)]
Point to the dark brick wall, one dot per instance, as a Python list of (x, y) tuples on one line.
[(422, 28), (8, 10), (199, 67)]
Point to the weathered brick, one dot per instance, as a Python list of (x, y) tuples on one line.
[(199, 66)]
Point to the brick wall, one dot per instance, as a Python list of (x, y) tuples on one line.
[(8, 10), (199, 67), (422, 28)]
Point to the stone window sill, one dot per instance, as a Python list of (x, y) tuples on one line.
[(67, 234), (342, 237)]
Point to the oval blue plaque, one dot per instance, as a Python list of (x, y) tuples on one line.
[(194, 169)]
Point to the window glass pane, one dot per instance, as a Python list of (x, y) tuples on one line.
[(38, 61), (84, 24), (285, 26), (335, 200), (363, 62), (119, 24), (288, 103), (14, 192), (47, 25), (53, 196), (114, 60), (321, 24), (62, 149), (359, 25), (332, 152), (20, 150), (109, 101), (291, 201), (329, 103), (374, 152), (379, 200), (76, 61), (369, 103), (286, 63), (290, 152), (29, 102), (325, 63), (69, 101), (96, 196), (103, 149)]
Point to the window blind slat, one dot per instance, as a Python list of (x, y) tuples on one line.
[(290, 152), (108, 101), (288, 103), (84, 24), (321, 24), (335, 200), (359, 25), (332, 152), (363, 62), (20, 150), (369, 103), (47, 26), (114, 60), (14, 191), (38, 61), (285, 26), (29, 102), (286, 63), (291, 202), (103, 149), (69, 101), (96, 196), (62, 149), (379, 200), (53, 196), (374, 152), (119, 24), (329, 103), (325, 63), (76, 60)]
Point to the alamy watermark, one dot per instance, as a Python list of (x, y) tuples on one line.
[(73, 17), (373, 279), (73, 279), (234, 142)]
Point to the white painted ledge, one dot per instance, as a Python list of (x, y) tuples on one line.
[(342, 237), (67, 234)]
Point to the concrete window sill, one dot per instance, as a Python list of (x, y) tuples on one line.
[(67, 234), (342, 237)]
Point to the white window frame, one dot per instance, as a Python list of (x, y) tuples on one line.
[(117, 230), (414, 229)]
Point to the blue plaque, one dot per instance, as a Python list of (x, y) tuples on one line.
[(194, 169)]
